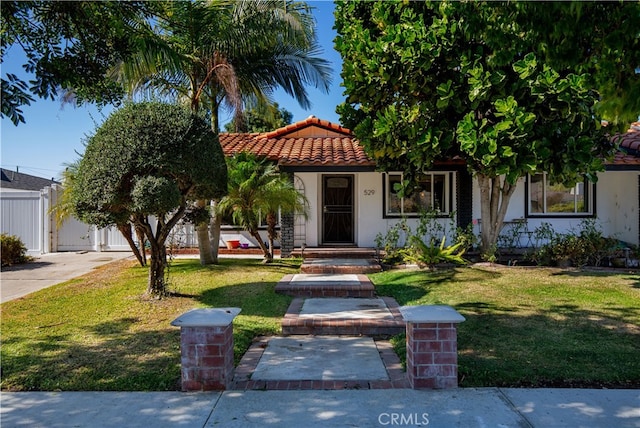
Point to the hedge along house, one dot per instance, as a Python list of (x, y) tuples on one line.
[(351, 203)]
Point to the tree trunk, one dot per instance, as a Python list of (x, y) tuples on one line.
[(263, 247), (204, 245), (214, 232), (271, 231), (157, 286), (141, 243), (495, 195), (125, 229)]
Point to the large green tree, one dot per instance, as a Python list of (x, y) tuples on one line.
[(213, 54), (69, 49), (512, 88), (257, 190), (141, 168), (260, 118)]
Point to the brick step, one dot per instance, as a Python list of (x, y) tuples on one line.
[(296, 323), (335, 252), (319, 285), (340, 266)]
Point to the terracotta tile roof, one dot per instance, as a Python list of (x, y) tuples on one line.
[(336, 150), (629, 144), (310, 121), (301, 145)]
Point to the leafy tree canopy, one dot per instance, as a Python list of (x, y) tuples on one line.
[(149, 159), (510, 88), (262, 118), (69, 46), (144, 163)]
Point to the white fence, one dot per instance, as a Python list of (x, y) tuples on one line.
[(27, 214)]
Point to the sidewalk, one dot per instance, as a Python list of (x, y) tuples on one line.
[(464, 407)]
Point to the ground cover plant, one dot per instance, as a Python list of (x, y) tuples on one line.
[(533, 327), (99, 332)]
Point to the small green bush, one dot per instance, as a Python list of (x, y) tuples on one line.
[(13, 250), (389, 243), (587, 246), (431, 254)]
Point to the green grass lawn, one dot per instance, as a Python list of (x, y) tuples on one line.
[(98, 332), (533, 327), (524, 327)]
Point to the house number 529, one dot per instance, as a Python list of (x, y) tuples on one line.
[(369, 192)]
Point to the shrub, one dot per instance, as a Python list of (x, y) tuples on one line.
[(587, 246), (13, 250), (467, 239), (389, 243), (430, 254)]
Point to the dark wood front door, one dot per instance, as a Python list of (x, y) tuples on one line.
[(337, 209)]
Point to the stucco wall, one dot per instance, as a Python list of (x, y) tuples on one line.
[(616, 208), (617, 204), (368, 211)]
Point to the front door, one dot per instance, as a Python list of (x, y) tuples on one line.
[(337, 209)]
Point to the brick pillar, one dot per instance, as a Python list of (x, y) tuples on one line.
[(206, 348), (286, 235), (432, 346)]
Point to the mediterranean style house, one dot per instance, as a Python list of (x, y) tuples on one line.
[(351, 203)]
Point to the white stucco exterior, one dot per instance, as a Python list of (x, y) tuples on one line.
[(616, 207)]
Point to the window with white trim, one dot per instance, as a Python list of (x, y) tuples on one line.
[(432, 193), (545, 199)]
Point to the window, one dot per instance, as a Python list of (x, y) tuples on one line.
[(431, 193), (545, 199)]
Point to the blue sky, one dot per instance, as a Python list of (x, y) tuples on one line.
[(53, 134)]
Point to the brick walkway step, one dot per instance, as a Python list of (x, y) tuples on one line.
[(340, 266), (330, 316), (323, 285), (336, 252), (244, 379)]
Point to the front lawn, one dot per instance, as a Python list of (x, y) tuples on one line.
[(533, 327), (99, 333), (524, 327)]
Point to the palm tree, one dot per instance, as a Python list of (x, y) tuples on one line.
[(215, 54), (256, 187)]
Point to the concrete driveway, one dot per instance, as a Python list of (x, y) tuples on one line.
[(50, 269)]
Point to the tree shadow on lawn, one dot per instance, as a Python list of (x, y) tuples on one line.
[(633, 275), (193, 265), (118, 359), (125, 354), (411, 285), (562, 346)]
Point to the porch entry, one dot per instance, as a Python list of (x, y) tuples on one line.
[(337, 210)]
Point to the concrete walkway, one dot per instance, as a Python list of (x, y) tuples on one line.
[(468, 407), (51, 269)]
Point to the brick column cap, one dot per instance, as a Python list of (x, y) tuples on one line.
[(431, 314), (206, 317)]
